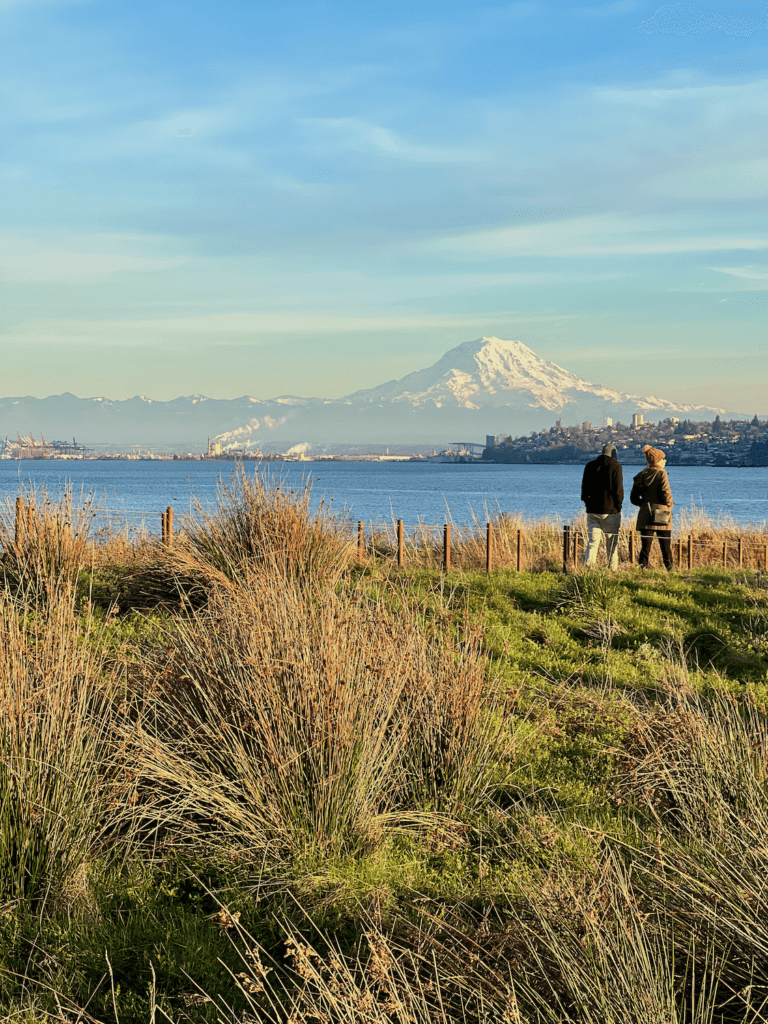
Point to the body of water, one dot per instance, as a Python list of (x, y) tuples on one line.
[(429, 492)]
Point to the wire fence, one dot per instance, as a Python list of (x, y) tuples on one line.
[(502, 543)]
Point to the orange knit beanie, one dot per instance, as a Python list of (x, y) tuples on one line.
[(653, 455)]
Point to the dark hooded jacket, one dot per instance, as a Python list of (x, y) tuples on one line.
[(602, 486)]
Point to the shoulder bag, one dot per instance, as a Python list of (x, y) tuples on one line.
[(660, 515)]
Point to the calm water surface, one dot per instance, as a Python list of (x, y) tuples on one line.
[(414, 492)]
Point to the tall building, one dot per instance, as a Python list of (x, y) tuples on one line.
[(586, 425), (607, 422), (637, 419)]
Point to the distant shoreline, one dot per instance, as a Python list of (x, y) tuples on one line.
[(369, 459)]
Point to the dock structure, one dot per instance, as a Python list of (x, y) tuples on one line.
[(30, 448)]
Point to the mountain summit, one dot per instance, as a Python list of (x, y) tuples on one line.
[(487, 386), (491, 373)]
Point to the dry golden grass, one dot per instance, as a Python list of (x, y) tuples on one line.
[(59, 789), (286, 717), (264, 521)]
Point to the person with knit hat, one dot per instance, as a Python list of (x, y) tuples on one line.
[(651, 491), (602, 491)]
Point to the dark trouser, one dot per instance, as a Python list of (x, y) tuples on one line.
[(665, 543)]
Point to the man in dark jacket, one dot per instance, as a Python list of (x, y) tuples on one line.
[(602, 491)]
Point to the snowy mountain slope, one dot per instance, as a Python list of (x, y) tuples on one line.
[(489, 373)]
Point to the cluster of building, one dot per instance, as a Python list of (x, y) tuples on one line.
[(686, 442)]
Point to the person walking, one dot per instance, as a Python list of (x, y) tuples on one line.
[(602, 491), (651, 491)]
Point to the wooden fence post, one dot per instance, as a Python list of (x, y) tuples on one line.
[(575, 550), (741, 554), (489, 547), (725, 554), (632, 545), (447, 547), (164, 528), (360, 540), (400, 544), (169, 524), (566, 546), (679, 552), (519, 549), (19, 520), (690, 551)]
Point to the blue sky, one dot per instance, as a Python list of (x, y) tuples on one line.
[(244, 198)]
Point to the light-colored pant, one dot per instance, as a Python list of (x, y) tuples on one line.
[(603, 525)]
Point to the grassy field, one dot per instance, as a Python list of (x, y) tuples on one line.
[(253, 778)]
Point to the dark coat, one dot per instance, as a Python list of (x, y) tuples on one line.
[(650, 489), (602, 486)]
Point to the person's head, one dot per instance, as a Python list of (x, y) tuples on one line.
[(610, 451), (655, 457)]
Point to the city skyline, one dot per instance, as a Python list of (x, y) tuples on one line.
[(224, 199)]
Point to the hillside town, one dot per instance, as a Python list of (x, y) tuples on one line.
[(686, 442)]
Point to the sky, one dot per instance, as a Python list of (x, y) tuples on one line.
[(309, 198)]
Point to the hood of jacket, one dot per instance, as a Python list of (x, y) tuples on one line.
[(645, 476)]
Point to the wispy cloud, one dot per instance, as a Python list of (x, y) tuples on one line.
[(594, 237), (748, 273), (249, 328), (354, 133), (732, 17), (76, 268), (85, 259)]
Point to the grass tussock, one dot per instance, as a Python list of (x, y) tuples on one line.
[(264, 521), (59, 795), (298, 719), (251, 777)]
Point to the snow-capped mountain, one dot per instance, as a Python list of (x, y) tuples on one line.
[(491, 373), (487, 386)]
